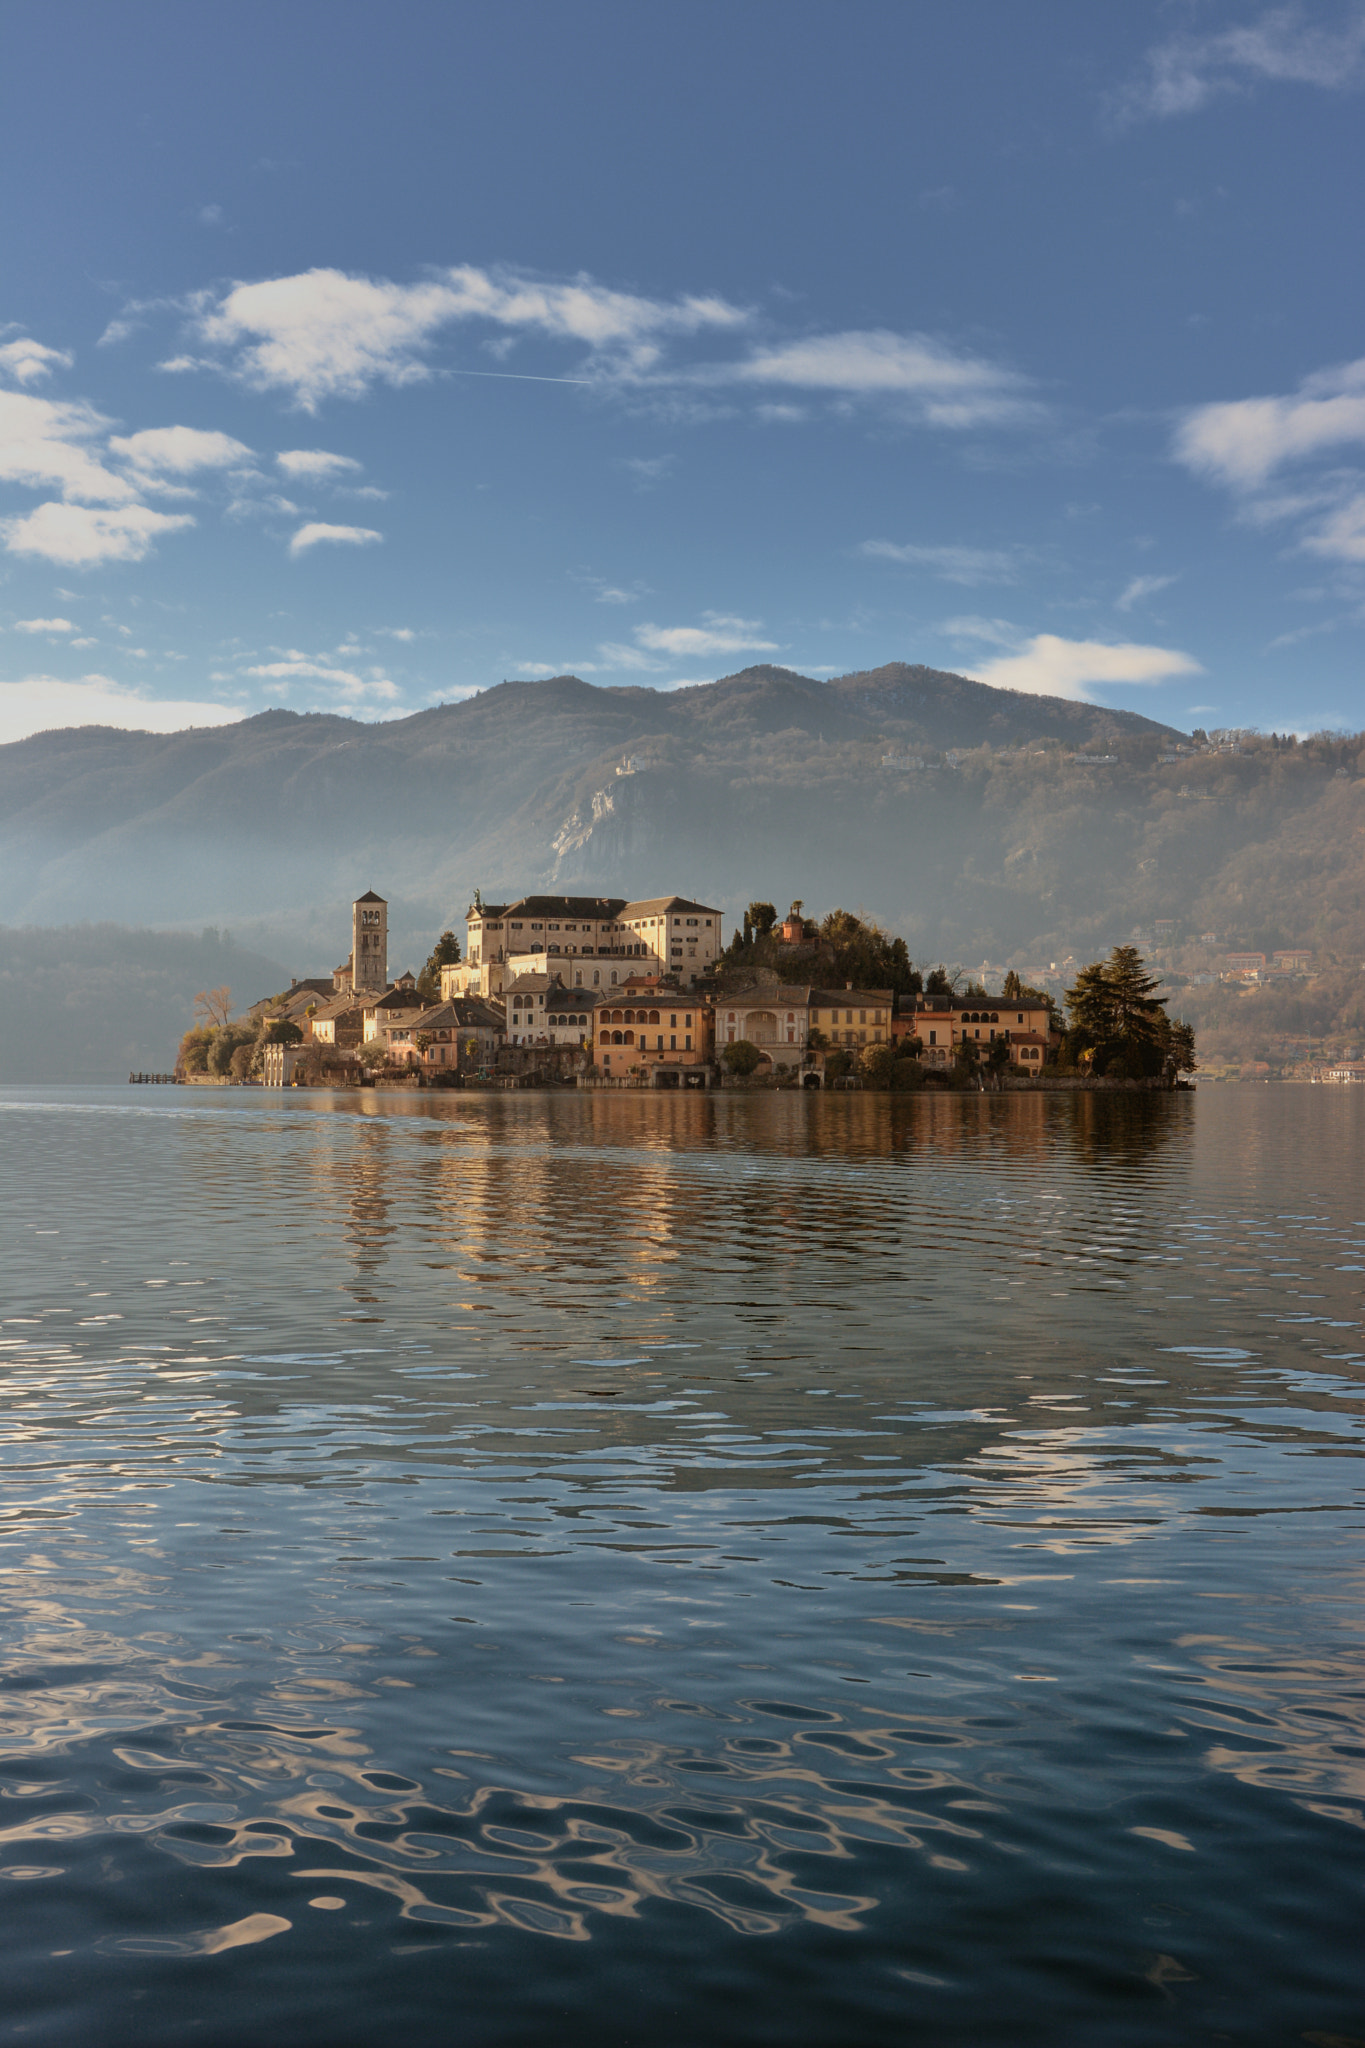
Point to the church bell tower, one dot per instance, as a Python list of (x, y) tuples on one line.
[(370, 943)]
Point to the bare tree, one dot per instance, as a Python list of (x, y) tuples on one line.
[(213, 1006)]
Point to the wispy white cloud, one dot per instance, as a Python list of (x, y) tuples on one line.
[(648, 470), (1186, 72), (617, 654), (43, 626), (1244, 443), (721, 634), (177, 451), (970, 626), (316, 465), (346, 536), (1341, 535), (938, 385), (326, 334), (953, 564), (1048, 666), (397, 632), (323, 334), (43, 703), (352, 685), (1139, 588), (82, 536), (45, 443), (29, 362), (1241, 442)]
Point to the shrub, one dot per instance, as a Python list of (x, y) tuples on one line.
[(741, 1058)]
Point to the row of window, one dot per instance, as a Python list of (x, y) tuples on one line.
[(628, 1038)]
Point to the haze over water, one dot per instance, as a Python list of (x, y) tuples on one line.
[(741, 1569)]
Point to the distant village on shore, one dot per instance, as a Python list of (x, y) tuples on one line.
[(605, 992)]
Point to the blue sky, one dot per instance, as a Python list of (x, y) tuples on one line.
[(357, 358)]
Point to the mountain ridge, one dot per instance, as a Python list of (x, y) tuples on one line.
[(972, 820)]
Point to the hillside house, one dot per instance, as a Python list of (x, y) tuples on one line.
[(460, 1036)]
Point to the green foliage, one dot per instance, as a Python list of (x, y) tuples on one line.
[(849, 948), (876, 1064), (225, 1043), (279, 1031), (741, 1058), (838, 1063), (194, 1048), (1119, 1027), (445, 953), (997, 1057), (938, 982)]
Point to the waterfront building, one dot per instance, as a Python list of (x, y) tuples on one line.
[(338, 1024), (942, 1022), (852, 1016), (460, 1036), (570, 1014), (653, 1027), (396, 1003), (524, 1004)]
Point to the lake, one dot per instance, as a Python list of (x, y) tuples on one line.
[(665, 1569)]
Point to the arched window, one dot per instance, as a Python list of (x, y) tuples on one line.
[(630, 1038), (628, 1016), (616, 1038), (605, 1038), (653, 1016), (613, 977), (995, 1016)]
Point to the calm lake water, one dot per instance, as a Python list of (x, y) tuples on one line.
[(674, 1570)]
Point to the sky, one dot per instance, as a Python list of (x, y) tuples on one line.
[(357, 358)]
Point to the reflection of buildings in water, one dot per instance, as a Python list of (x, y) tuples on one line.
[(363, 1184)]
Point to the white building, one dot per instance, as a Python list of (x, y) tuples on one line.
[(590, 942)]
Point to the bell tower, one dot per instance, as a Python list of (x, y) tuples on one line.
[(369, 943)]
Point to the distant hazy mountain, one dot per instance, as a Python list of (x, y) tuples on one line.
[(763, 784), (96, 1002), (765, 780)]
